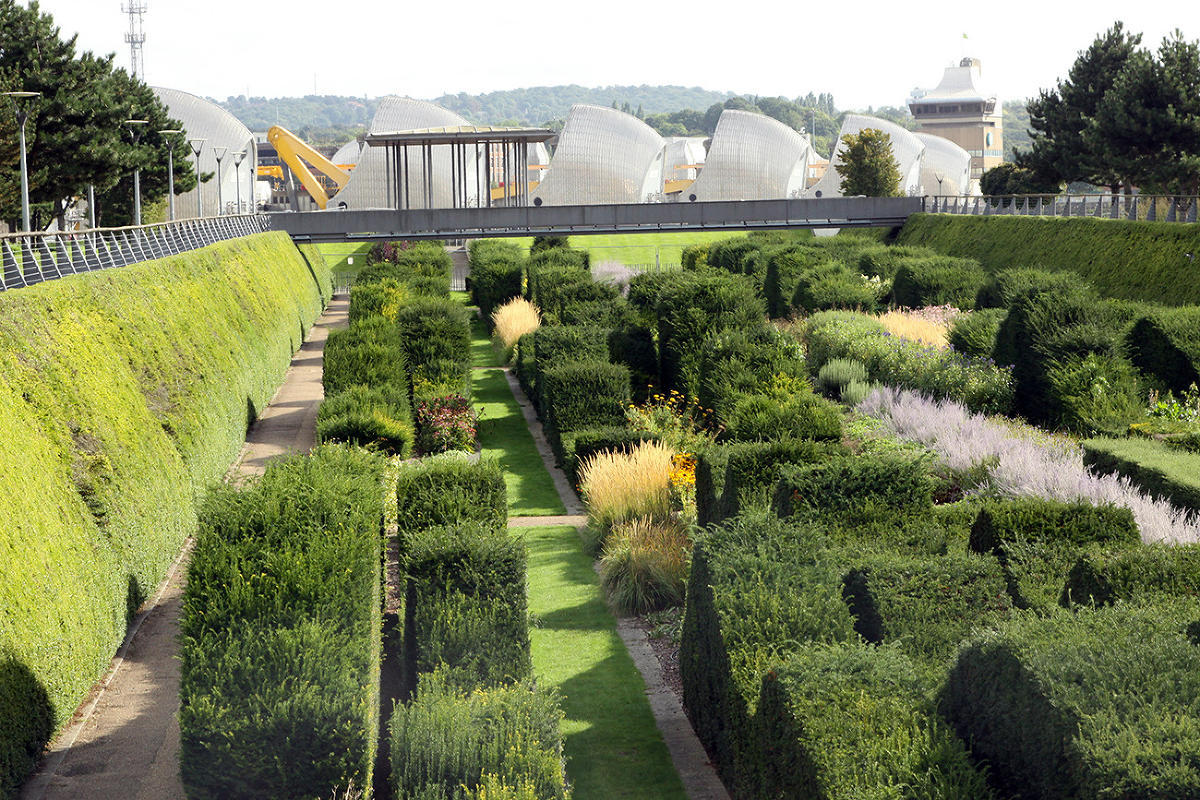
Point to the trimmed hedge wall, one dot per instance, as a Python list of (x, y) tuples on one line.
[(1095, 703), (281, 632), (937, 281), (123, 393), (583, 394), (1166, 344), (464, 609), (448, 489), (497, 274), (1106, 576), (1129, 260), (1038, 540), (368, 353), (1158, 469), (855, 486), (374, 418), (755, 583), (850, 721), (739, 477)]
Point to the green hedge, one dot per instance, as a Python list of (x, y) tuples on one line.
[(1037, 541), (368, 353), (974, 334), (464, 608), (834, 286), (281, 632), (1006, 286), (766, 417), (784, 267), (855, 486), (1104, 576), (375, 418), (1095, 703), (937, 281), (882, 261), (1166, 345), (850, 721), (496, 744), (497, 274), (1129, 260), (123, 393), (757, 587), (448, 490), (733, 362), (555, 345), (435, 330), (633, 345), (1159, 470), (739, 477), (583, 394), (926, 605)]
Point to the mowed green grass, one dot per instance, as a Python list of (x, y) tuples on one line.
[(613, 748), (503, 434), (339, 255), (639, 249)]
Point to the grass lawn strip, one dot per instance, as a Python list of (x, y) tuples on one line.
[(502, 433), (613, 748)]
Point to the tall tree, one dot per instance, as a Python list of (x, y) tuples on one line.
[(74, 133), (1059, 118), (1148, 125), (868, 166)]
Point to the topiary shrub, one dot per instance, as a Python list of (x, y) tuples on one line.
[(465, 608), (555, 345), (765, 417), (449, 490), (377, 418), (851, 721), (583, 394), (1095, 394), (974, 334), (855, 486), (1166, 345), (834, 286), (1005, 287), (784, 267), (1037, 541), (368, 353), (937, 281), (694, 256), (748, 474), (1104, 576), (633, 345), (435, 330), (1095, 703)]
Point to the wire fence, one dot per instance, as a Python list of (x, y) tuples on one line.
[(30, 258), (1147, 207)]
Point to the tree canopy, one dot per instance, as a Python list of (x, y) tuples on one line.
[(74, 134), (868, 167)]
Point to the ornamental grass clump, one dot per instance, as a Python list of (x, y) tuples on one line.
[(644, 564), (621, 486), (512, 320), (921, 325)]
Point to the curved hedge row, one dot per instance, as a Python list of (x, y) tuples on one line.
[(1131, 260), (123, 393)]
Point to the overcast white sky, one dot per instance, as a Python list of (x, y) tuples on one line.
[(864, 52)]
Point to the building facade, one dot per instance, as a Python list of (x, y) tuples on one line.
[(960, 110)]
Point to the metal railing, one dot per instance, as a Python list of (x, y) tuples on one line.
[(29, 258), (1153, 208)]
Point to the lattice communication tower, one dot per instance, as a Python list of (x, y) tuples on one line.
[(136, 38)]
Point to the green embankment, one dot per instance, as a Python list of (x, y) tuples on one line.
[(1154, 261), (640, 249), (612, 746), (123, 393)]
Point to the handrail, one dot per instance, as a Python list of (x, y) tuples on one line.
[(30, 258), (1099, 205)]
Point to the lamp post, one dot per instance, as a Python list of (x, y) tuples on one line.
[(237, 171), (197, 145), (219, 153), (169, 134), (134, 127), (21, 102)]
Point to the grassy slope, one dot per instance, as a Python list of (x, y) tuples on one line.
[(639, 248), (613, 748)]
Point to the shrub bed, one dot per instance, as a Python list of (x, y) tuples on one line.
[(280, 632), (765, 417), (1130, 260), (1096, 703), (123, 394), (855, 486), (735, 478), (1166, 345)]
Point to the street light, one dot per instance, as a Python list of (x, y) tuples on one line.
[(197, 145), (219, 153), (237, 171), (169, 134), (134, 126), (21, 102)]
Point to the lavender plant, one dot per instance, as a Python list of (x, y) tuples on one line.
[(1014, 460)]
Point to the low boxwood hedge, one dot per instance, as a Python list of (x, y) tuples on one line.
[(758, 586), (1037, 542), (281, 632), (766, 417), (855, 486), (583, 394), (1093, 703), (850, 720), (447, 490), (937, 281), (1104, 576), (465, 609), (501, 743), (377, 418), (368, 353)]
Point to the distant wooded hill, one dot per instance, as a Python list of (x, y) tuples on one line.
[(541, 104)]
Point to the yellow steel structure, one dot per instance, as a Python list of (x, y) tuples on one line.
[(295, 152)]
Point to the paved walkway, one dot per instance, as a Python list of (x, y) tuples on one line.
[(124, 742)]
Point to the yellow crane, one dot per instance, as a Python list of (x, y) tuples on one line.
[(298, 155)]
